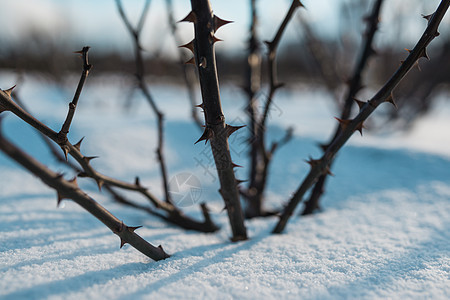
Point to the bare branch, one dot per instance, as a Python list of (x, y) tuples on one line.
[(188, 73), (205, 25), (260, 157), (140, 76), (70, 190), (273, 45), (62, 135), (321, 166), (101, 179), (355, 85)]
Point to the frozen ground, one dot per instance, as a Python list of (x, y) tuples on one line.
[(384, 231)]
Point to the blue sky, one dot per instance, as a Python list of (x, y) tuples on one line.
[(96, 23)]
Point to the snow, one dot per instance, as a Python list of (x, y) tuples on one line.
[(383, 232)]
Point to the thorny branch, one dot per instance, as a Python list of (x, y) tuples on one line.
[(321, 166), (273, 46), (174, 215), (260, 157), (140, 76), (252, 87), (62, 135), (216, 131), (70, 190), (354, 86), (188, 73)]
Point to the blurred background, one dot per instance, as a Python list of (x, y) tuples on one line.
[(320, 46)]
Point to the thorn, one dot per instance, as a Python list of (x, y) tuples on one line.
[(231, 129), (191, 61), (235, 165), (122, 242), (207, 135), (409, 50), (390, 99), (137, 181), (132, 229), (213, 39), (88, 159), (9, 91), (238, 181), (74, 181), (99, 184), (191, 17), (312, 162), (83, 51), (218, 22), (324, 147), (78, 145), (315, 162), (189, 46), (424, 54), (65, 150), (200, 106), (428, 17), (59, 199), (343, 123), (202, 62), (269, 45), (298, 3), (359, 102), (360, 128)]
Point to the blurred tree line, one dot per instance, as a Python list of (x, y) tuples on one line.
[(309, 56)]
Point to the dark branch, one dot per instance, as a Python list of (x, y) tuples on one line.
[(321, 166), (70, 190), (354, 86), (62, 134)]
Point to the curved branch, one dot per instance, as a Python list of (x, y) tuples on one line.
[(321, 166), (70, 190), (354, 86)]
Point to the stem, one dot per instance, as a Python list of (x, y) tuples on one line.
[(69, 189), (216, 129), (62, 135), (321, 166), (260, 157), (188, 73), (140, 76), (175, 215), (354, 86)]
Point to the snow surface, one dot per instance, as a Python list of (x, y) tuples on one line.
[(384, 231)]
